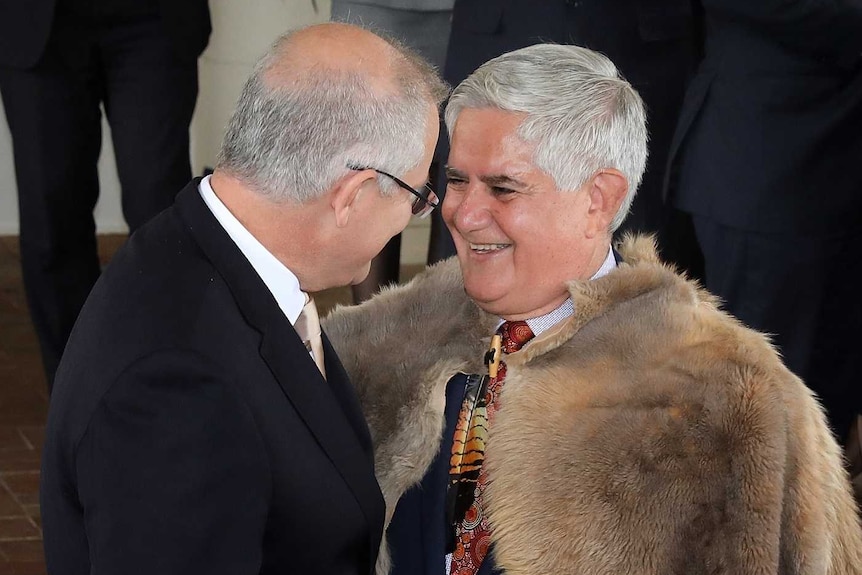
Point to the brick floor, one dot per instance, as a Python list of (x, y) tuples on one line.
[(24, 405)]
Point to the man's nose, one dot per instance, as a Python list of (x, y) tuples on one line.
[(472, 210)]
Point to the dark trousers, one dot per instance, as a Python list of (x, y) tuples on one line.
[(128, 65), (799, 288)]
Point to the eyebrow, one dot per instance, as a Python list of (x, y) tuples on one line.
[(493, 181)]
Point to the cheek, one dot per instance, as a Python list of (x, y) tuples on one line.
[(448, 208), (406, 215), (525, 229), (397, 219), (540, 245), (547, 230)]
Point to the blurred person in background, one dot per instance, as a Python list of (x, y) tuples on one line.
[(60, 60), (764, 158)]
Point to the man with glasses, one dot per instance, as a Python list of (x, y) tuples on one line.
[(602, 414), (200, 421)]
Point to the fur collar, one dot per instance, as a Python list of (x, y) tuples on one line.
[(648, 433), (653, 433)]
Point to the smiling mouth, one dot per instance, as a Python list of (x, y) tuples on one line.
[(488, 248)]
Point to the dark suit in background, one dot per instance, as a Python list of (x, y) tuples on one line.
[(767, 148), (205, 441), (654, 43), (59, 60)]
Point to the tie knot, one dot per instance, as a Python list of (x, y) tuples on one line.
[(514, 335), (308, 324)]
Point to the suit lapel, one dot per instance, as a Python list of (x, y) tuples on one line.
[(342, 389), (340, 431), (326, 417)]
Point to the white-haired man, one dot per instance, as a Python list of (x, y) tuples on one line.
[(624, 424), (199, 423)]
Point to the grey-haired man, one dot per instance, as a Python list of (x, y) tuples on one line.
[(621, 422)]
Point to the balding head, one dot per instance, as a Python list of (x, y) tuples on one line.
[(325, 97), (339, 48)]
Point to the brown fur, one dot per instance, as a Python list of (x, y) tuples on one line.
[(650, 433), (403, 398)]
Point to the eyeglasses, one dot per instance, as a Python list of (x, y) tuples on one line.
[(424, 202)]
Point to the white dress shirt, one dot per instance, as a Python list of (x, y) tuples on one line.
[(280, 281)]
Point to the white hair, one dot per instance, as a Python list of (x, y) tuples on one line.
[(580, 113), (291, 140)]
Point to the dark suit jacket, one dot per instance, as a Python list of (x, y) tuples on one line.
[(635, 34), (771, 129), (189, 429), (26, 26)]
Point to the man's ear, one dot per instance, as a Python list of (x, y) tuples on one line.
[(345, 196), (607, 191)]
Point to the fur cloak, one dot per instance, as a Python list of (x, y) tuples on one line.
[(650, 433)]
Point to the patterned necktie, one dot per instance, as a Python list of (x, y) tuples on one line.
[(472, 535), (307, 326)]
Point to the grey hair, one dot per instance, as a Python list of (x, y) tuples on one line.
[(581, 114), (292, 139)]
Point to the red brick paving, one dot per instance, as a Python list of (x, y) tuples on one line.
[(23, 405)]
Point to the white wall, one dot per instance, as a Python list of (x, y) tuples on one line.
[(242, 31)]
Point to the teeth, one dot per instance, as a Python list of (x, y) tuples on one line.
[(487, 247)]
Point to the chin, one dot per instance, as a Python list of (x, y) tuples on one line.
[(486, 300)]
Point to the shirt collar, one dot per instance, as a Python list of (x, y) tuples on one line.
[(280, 281)]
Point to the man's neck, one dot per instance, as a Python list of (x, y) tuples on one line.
[(566, 309), (290, 232)]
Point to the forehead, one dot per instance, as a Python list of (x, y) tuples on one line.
[(486, 139)]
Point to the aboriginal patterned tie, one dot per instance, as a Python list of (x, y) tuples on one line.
[(472, 535)]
